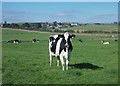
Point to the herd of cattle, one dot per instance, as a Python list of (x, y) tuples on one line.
[(19, 41), (60, 46)]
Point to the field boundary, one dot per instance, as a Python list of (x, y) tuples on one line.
[(43, 32)]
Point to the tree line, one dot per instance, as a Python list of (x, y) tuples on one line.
[(54, 27)]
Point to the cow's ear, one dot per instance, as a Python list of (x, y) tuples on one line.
[(72, 36), (60, 36)]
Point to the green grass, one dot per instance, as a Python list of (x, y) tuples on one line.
[(28, 63), (22, 35), (108, 28)]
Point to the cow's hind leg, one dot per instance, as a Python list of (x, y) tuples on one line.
[(62, 62), (50, 60), (58, 59)]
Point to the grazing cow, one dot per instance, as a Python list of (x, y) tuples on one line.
[(103, 42), (80, 41), (35, 40), (14, 41), (60, 46), (116, 40)]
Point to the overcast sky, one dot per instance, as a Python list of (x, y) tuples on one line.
[(82, 12)]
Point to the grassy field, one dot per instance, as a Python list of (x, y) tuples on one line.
[(109, 28), (27, 63)]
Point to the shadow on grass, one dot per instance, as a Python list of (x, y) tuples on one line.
[(85, 66)]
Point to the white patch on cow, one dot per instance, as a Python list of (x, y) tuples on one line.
[(55, 36), (66, 35), (106, 43), (50, 53), (65, 55), (62, 54)]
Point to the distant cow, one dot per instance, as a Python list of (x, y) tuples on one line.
[(14, 41), (60, 46), (35, 40), (80, 41), (116, 40), (103, 42)]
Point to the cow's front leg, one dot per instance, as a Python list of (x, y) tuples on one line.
[(58, 59)]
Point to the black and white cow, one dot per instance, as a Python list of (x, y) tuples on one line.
[(35, 40), (103, 42), (60, 46), (14, 41), (80, 41)]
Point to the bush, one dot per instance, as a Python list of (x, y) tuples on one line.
[(94, 31), (57, 30), (47, 30), (77, 31), (72, 31)]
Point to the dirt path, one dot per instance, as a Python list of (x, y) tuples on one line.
[(31, 31)]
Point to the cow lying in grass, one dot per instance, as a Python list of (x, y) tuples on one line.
[(60, 46), (35, 40), (103, 42), (14, 41)]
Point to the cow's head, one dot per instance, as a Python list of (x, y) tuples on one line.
[(67, 37)]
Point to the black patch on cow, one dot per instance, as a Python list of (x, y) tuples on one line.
[(54, 43), (61, 36), (70, 44), (62, 45), (51, 38)]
